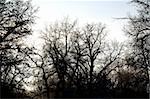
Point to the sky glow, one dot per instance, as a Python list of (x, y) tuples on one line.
[(85, 11)]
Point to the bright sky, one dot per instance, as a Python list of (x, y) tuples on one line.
[(104, 11), (85, 11)]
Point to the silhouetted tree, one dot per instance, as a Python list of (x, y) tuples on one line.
[(75, 55), (109, 62), (16, 18), (93, 39), (75, 61), (42, 73), (58, 45), (139, 32)]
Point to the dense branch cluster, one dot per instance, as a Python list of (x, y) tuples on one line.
[(75, 62)]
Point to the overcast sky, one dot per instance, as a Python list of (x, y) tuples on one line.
[(86, 11)]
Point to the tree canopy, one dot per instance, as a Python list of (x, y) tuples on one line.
[(75, 61)]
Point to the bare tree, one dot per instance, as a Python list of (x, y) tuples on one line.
[(15, 20), (58, 46), (41, 72), (75, 53), (139, 32)]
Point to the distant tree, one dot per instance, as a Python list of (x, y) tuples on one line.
[(98, 54), (93, 40), (16, 18), (58, 45), (75, 55)]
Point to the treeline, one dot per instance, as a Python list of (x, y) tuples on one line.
[(75, 62)]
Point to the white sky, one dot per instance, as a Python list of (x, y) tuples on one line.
[(104, 11), (85, 11)]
